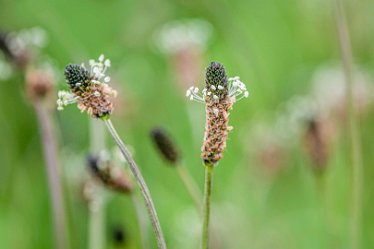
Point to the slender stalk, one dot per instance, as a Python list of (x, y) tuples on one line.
[(357, 164), (96, 234), (142, 185), (190, 185), (206, 211), (52, 168), (141, 221)]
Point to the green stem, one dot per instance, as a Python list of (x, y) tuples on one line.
[(142, 222), (142, 185), (206, 211), (97, 206), (46, 127), (190, 185), (96, 225), (356, 154)]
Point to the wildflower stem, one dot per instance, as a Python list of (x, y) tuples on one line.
[(97, 207), (190, 185), (206, 211), (96, 228), (143, 186), (54, 181), (356, 154)]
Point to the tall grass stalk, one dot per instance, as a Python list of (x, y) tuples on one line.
[(96, 233), (206, 208), (142, 222), (46, 125), (354, 131), (140, 181), (190, 185)]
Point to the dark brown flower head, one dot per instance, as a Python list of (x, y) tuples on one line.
[(76, 76), (219, 94), (109, 175), (89, 89), (165, 145), (216, 80)]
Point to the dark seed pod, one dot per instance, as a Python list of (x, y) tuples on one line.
[(76, 74), (109, 175), (165, 145)]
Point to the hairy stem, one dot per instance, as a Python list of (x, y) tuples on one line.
[(190, 185), (354, 132), (52, 168), (142, 185), (206, 211)]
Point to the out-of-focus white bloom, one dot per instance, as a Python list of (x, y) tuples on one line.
[(325, 101), (329, 88), (179, 35), (25, 39)]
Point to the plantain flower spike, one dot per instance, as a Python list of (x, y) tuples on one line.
[(89, 88), (165, 145), (219, 95), (111, 176)]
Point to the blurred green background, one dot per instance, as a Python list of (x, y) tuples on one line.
[(274, 46)]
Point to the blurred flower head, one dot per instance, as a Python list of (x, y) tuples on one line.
[(20, 47), (108, 174), (180, 35), (164, 144)]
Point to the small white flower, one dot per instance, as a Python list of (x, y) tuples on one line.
[(106, 79), (107, 63), (65, 98), (101, 58), (236, 89)]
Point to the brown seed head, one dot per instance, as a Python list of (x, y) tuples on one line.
[(96, 100), (39, 84), (165, 145), (216, 130), (109, 175)]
